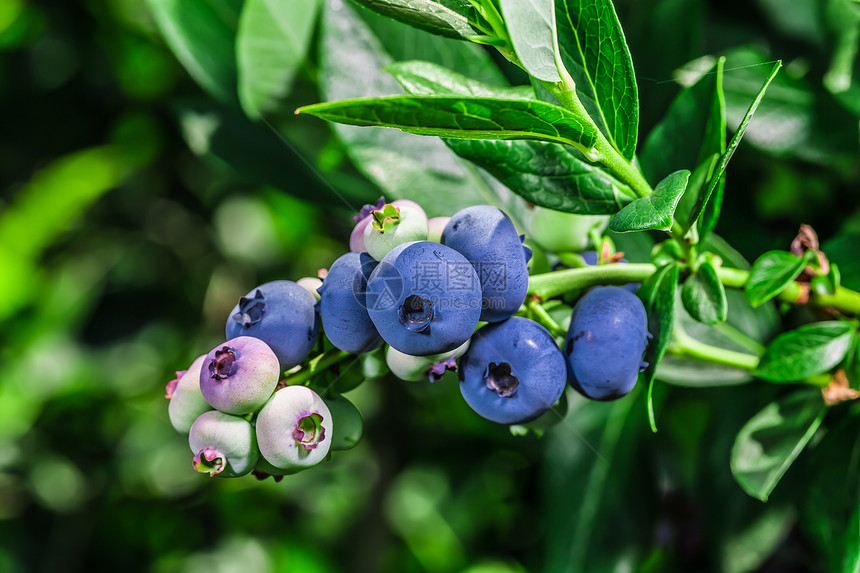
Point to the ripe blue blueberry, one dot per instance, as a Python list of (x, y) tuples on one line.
[(342, 305), (424, 298), (294, 429), (222, 444), (186, 400), (238, 376), (604, 345), (281, 314), (513, 371), (488, 239)]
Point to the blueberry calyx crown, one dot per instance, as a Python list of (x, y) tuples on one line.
[(251, 309), (499, 379), (416, 313), (438, 370), (209, 460), (527, 252), (224, 365), (171, 386), (309, 431), (366, 210), (385, 218)]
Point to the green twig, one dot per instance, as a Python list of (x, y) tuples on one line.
[(316, 365), (542, 317), (548, 285), (685, 345)]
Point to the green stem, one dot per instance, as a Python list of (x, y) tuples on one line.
[(316, 365), (552, 284), (843, 299), (548, 285), (740, 338), (685, 345), (603, 151), (545, 319)]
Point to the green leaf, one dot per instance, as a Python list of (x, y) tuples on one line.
[(829, 503), (462, 118), (771, 273), (405, 43), (450, 18), (403, 166), (594, 51), (696, 115), (531, 25), (271, 46), (806, 351), (546, 174), (704, 296), (202, 35), (658, 294), (733, 145), (799, 118), (654, 211), (768, 444), (708, 219), (427, 78), (745, 331), (842, 250)]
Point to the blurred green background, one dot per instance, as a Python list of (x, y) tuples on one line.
[(135, 211)]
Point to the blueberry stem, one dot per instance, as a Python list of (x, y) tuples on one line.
[(317, 364), (544, 319), (685, 345), (548, 285), (606, 153)]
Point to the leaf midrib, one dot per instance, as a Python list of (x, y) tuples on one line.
[(609, 135)]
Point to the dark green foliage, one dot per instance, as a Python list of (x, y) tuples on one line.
[(153, 169)]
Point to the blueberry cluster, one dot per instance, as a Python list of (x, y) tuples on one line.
[(435, 291)]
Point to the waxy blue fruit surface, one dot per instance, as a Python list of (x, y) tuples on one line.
[(533, 359), (488, 239), (343, 307), (424, 298), (281, 314), (604, 345)]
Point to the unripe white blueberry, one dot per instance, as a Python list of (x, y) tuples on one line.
[(223, 444), (186, 400), (310, 284), (392, 225), (294, 428), (416, 368), (435, 226)]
